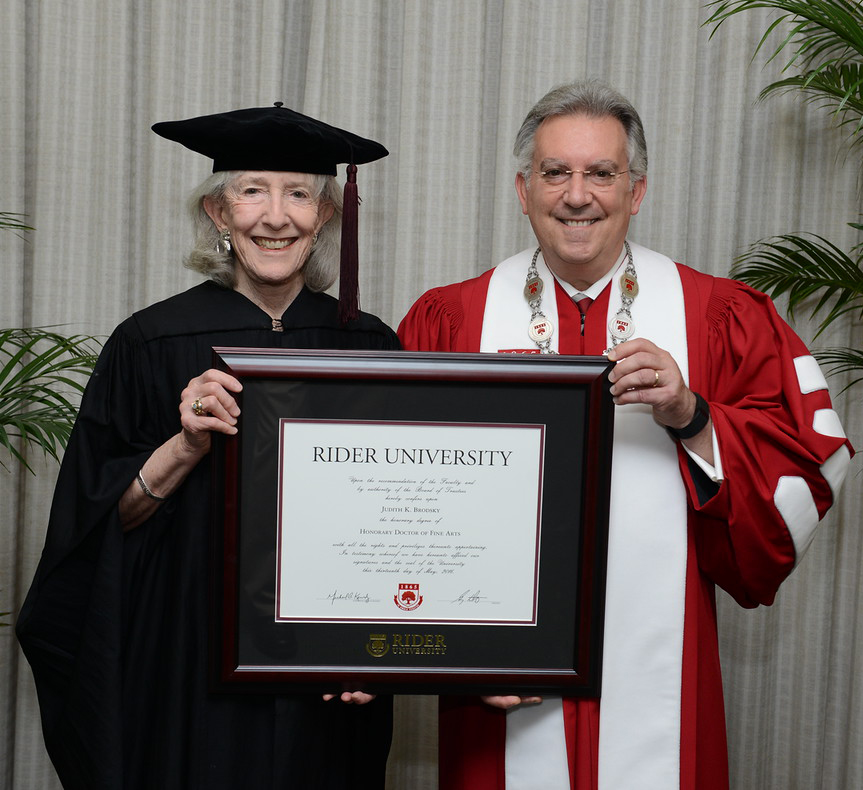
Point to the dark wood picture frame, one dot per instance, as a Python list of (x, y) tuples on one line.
[(561, 653)]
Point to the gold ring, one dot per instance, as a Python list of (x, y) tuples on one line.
[(656, 379), (198, 408)]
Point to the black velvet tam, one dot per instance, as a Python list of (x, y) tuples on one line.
[(271, 138)]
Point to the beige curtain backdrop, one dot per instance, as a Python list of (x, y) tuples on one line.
[(444, 85)]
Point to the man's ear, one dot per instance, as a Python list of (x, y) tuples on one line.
[(521, 188), (638, 191)]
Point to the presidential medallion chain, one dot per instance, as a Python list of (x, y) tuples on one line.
[(621, 326), (541, 329)]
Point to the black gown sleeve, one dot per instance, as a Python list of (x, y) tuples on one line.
[(70, 624)]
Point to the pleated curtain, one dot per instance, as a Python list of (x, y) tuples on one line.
[(444, 84)]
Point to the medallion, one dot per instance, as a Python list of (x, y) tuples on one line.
[(621, 326), (629, 285), (533, 289), (540, 329)]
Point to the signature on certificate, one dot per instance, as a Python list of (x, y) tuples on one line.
[(356, 597), (472, 596)]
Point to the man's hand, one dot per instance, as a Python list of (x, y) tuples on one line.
[(645, 373)]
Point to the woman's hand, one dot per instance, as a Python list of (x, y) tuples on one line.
[(207, 404), (510, 701), (351, 697)]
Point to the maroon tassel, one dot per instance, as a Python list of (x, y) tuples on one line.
[(349, 273)]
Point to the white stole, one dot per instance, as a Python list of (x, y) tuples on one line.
[(639, 741)]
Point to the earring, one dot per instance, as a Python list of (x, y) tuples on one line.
[(223, 243)]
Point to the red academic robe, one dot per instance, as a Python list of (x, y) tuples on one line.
[(741, 358)]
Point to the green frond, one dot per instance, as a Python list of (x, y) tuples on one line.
[(823, 43), (842, 360), (42, 375), (838, 89), (819, 30), (9, 220), (803, 266), (13, 451), (839, 16)]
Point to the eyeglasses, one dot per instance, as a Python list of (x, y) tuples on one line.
[(557, 176)]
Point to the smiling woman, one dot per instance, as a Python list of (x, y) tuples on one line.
[(272, 220), (115, 624), (212, 257)]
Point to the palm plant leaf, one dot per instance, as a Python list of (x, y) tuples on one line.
[(9, 220), (803, 266), (842, 360), (836, 88), (41, 378), (825, 44), (820, 29)]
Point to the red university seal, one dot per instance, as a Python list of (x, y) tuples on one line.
[(408, 597)]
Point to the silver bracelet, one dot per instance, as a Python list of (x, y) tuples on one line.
[(146, 489)]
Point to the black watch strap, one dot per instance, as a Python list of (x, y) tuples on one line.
[(696, 424)]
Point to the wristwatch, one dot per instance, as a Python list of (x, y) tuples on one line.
[(696, 424)]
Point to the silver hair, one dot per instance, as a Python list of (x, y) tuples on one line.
[(320, 269), (594, 99)]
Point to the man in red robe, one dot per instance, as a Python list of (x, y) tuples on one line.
[(727, 453)]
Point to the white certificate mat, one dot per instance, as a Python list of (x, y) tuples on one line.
[(421, 522)]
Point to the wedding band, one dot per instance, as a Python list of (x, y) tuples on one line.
[(656, 379), (198, 408)]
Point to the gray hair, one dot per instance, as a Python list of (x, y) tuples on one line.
[(594, 99), (320, 269)]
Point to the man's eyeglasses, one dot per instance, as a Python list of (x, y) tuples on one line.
[(557, 176)]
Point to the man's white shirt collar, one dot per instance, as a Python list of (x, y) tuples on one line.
[(596, 289)]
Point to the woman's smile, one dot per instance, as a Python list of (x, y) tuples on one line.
[(273, 244)]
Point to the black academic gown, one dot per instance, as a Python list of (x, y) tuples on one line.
[(115, 625)]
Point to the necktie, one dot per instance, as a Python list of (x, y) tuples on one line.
[(583, 304)]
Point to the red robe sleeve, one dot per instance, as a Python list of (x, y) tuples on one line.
[(746, 362), (447, 318)]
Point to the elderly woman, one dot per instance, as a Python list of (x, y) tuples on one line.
[(115, 624)]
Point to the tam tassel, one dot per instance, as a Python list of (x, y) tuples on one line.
[(349, 270)]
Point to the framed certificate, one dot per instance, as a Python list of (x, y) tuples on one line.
[(412, 523)]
